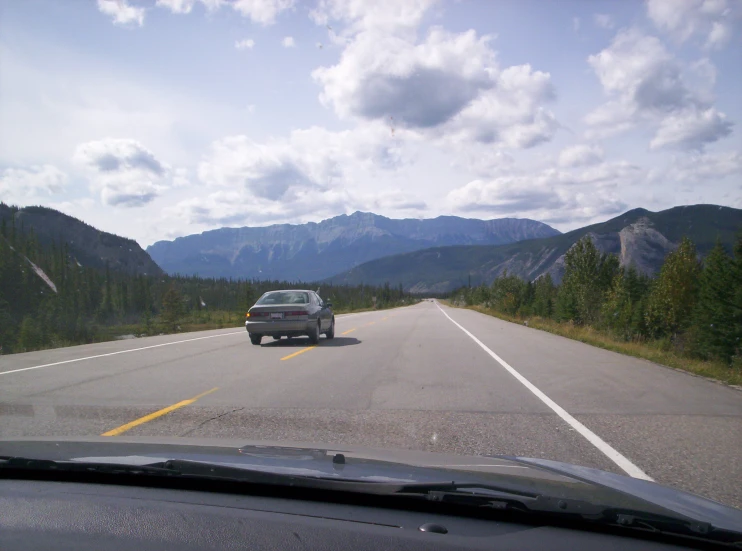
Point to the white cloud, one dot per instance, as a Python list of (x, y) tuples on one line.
[(645, 83), (288, 42), (306, 175), (511, 113), (575, 24), (698, 169), (712, 20), (449, 85), (263, 12), (381, 76), (313, 158), (122, 12), (604, 20), (185, 6), (245, 44), (552, 195), (24, 183), (581, 155), (123, 171), (691, 129), (394, 200), (385, 16)]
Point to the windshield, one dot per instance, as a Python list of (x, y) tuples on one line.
[(287, 297), (479, 229)]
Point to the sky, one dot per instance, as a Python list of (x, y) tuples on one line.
[(154, 119)]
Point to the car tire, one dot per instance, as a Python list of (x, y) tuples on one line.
[(314, 334), (277, 337), (255, 339), (330, 334)]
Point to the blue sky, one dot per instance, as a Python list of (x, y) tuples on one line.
[(154, 119)]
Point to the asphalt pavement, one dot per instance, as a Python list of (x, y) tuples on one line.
[(425, 377)]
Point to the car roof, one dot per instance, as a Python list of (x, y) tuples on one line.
[(288, 291)]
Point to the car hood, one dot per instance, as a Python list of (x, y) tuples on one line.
[(552, 478)]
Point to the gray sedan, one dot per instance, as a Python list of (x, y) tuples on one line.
[(290, 313)]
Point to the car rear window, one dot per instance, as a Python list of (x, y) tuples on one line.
[(284, 297)]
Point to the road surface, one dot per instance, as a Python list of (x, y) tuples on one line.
[(425, 377)]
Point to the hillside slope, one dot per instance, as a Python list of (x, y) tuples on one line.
[(86, 244), (314, 251), (639, 237)]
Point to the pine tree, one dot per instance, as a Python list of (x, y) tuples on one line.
[(674, 293), (714, 313), (588, 273), (544, 294), (172, 309)]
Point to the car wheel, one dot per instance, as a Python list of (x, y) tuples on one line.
[(331, 331), (276, 337), (255, 339), (314, 334)]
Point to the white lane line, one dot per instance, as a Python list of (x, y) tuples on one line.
[(608, 450), (119, 352)]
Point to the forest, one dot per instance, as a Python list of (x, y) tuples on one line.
[(47, 299), (692, 307)]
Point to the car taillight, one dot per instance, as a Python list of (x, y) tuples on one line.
[(297, 313), (257, 314)]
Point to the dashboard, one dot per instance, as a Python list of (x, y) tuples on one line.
[(37, 515)]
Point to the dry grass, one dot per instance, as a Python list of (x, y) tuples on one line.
[(652, 350)]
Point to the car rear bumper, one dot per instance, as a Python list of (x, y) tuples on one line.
[(282, 327)]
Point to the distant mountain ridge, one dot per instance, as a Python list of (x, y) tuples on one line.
[(86, 244), (315, 251), (639, 237)]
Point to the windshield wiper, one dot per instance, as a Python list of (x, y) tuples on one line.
[(489, 497), (48, 465)]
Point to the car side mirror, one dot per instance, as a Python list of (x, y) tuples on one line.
[(328, 304)]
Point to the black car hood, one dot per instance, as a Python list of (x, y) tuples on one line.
[(396, 466)]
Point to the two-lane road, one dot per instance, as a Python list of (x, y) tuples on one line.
[(424, 377)]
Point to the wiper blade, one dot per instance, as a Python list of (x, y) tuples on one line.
[(499, 497), (492, 497), (48, 465)]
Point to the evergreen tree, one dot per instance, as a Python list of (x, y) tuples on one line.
[(172, 309), (544, 294), (673, 296), (714, 313), (28, 336), (588, 274)]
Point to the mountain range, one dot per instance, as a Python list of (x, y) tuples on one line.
[(425, 256), (639, 237), (85, 244), (316, 251)]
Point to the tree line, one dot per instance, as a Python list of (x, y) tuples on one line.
[(48, 299), (692, 306)]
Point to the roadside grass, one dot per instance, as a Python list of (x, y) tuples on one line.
[(654, 351)]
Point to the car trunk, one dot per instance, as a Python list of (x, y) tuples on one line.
[(279, 311)]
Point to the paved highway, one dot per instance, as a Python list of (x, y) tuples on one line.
[(423, 377)]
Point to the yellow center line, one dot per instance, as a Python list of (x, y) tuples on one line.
[(371, 323), (384, 319), (348, 331), (156, 414), (299, 352)]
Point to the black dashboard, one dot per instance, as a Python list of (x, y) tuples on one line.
[(37, 515)]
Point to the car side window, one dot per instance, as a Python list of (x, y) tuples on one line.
[(319, 299)]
